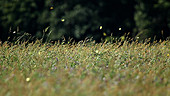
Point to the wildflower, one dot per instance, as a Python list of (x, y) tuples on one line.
[(56, 58), (27, 79), (168, 55), (120, 28), (35, 66), (104, 79), (54, 68), (39, 52), (97, 51)]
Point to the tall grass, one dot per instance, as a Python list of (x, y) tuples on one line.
[(85, 69)]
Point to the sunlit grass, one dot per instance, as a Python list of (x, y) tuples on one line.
[(85, 69)]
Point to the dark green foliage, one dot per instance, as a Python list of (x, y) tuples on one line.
[(21, 16), (73, 18), (79, 19), (83, 18), (152, 19)]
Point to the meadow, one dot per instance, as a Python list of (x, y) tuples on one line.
[(85, 69)]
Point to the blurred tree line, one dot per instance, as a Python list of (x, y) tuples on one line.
[(79, 19)]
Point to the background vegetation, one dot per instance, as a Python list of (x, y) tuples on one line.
[(79, 19)]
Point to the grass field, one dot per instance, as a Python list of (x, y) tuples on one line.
[(85, 69)]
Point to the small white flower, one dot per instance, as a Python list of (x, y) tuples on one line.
[(35, 66), (39, 53), (27, 79), (97, 51)]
